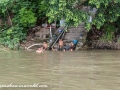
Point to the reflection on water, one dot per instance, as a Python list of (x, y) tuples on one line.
[(79, 70)]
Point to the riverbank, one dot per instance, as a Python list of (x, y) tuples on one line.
[(2, 48), (94, 45), (106, 45)]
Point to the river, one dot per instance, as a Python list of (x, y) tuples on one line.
[(77, 70)]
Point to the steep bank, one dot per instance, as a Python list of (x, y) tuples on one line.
[(98, 39)]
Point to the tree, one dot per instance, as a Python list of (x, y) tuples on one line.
[(21, 17), (68, 9), (107, 11)]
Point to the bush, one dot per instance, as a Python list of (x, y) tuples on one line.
[(108, 32), (27, 17), (11, 37)]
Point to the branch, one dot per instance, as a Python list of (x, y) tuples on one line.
[(9, 17)]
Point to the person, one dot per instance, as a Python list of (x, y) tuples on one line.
[(60, 44), (75, 41), (40, 50), (72, 46), (45, 46), (54, 49)]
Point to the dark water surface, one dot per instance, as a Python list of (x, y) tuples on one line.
[(78, 70)]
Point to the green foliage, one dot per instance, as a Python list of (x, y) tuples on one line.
[(23, 18), (30, 10), (27, 17), (65, 9), (108, 11), (4, 4), (11, 37), (108, 32), (118, 22)]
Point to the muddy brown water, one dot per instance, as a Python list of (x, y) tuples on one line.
[(78, 70)]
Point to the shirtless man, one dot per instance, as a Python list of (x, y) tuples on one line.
[(60, 43), (45, 46), (40, 50)]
